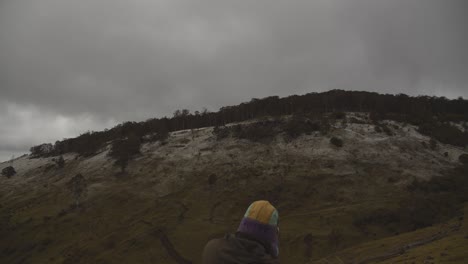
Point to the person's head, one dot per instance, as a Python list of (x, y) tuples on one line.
[(261, 222)]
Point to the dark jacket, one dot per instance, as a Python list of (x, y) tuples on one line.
[(236, 249)]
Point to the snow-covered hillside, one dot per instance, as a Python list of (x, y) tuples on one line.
[(193, 186), (407, 151)]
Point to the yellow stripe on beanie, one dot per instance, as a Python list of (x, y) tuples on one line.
[(260, 211)]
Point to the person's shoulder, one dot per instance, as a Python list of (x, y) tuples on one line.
[(215, 242), (218, 242), (212, 250)]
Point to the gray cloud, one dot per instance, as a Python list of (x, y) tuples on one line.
[(26, 125), (116, 60)]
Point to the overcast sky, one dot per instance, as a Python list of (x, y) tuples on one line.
[(71, 66)]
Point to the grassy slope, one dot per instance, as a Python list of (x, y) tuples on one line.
[(122, 214), (443, 243), (118, 227)]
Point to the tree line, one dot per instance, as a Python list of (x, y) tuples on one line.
[(425, 111)]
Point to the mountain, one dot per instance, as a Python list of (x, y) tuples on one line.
[(350, 186)]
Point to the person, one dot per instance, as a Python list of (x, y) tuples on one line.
[(256, 239)]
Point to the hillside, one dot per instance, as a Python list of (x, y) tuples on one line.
[(348, 204)]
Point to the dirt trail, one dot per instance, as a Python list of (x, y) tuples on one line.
[(405, 248)]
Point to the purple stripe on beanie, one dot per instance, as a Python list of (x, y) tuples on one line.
[(263, 232)]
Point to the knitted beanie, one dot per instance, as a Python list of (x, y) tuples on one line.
[(261, 222)]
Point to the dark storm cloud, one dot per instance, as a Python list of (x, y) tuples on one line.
[(114, 60)]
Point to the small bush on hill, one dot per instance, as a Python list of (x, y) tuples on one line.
[(8, 172), (336, 141), (221, 132)]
